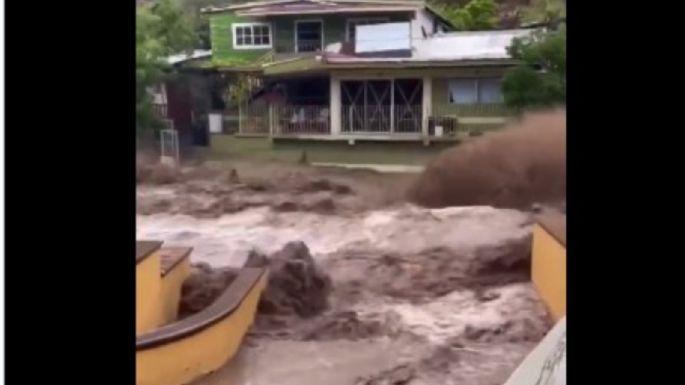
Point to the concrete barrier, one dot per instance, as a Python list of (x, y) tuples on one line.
[(181, 352), (546, 364), (549, 263)]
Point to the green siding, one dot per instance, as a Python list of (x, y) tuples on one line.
[(221, 36), (283, 31)]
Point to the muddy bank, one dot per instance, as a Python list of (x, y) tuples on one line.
[(516, 167)]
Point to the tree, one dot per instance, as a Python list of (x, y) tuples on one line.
[(540, 78), (475, 15), (162, 29), (544, 11), (193, 9)]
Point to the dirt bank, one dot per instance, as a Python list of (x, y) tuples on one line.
[(516, 167)]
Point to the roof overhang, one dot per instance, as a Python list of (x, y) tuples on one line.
[(318, 64), (309, 7)]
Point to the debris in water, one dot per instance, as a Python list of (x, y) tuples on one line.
[(400, 375), (203, 287), (296, 286)]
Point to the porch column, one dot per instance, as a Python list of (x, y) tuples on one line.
[(335, 106), (427, 105)]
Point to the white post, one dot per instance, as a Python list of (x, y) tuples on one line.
[(392, 106), (427, 105), (335, 105)]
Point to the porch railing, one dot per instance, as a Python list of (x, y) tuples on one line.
[(160, 109), (253, 120), (299, 47), (444, 120), (381, 119), (301, 119), (450, 119), (472, 110)]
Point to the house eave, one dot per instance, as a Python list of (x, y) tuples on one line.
[(260, 8)]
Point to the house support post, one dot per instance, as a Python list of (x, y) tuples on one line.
[(426, 107), (240, 116), (335, 105), (271, 120)]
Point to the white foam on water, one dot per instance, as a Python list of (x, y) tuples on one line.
[(228, 239)]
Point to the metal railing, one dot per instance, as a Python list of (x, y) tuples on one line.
[(450, 119), (301, 119), (381, 119), (253, 120), (472, 110), (300, 46), (160, 109)]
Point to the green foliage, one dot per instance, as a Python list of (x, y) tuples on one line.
[(543, 11), (475, 15), (540, 79), (239, 89), (162, 29)]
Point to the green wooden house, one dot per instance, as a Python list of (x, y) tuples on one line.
[(360, 69)]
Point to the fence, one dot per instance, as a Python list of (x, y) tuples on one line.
[(471, 110), (169, 151), (253, 120), (294, 119), (445, 120), (381, 119)]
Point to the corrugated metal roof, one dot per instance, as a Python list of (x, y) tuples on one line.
[(452, 46), (261, 8), (467, 45)]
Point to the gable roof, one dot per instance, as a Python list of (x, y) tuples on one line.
[(304, 7)]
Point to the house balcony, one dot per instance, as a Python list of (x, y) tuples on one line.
[(299, 49)]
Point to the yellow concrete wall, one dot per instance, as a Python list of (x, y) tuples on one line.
[(171, 290), (148, 287), (549, 271), (185, 360)]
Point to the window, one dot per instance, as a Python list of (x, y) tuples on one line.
[(251, 35), (308, 35), (353, 23), (475, 91)]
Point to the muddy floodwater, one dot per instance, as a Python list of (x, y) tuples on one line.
[(413, 295), (421, 331)]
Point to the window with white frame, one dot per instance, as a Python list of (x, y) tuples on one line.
[(353, 23), (251, 35), (475, 91)]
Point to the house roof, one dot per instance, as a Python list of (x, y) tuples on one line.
[(304, 7), (184, 57), (447, 47)]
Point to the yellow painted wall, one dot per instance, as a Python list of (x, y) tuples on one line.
[(148, 287), (185, 360), (171, 290), (549, 271)]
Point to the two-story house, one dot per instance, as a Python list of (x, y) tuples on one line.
[(360, 69)]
